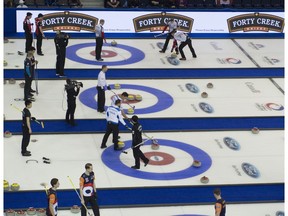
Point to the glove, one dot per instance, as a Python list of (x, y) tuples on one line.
[(108, 87), (128, 128), (33, 118)]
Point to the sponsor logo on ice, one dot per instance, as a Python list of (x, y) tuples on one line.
[(256, 46), (206, 107), (192, 88), (231, 143), (250, 170), (280, 213), (229, 61), (271, 61), (250, 85), (270, 107)]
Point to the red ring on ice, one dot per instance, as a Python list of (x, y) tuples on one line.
[(105, 53), (166, 159)]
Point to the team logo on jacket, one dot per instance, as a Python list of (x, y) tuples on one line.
[(231, 143), (157, 22), (192, 88), (250, 170), (206, 107), (256, 22)]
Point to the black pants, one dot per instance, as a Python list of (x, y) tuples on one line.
[(39, 43), (70, 111), (60, 62), (93, 204), (29, 40), (98, 48), (101, 99), (183, 44), (27, 87), (25, 139), (137, 153), (111, 128), (168, 37)]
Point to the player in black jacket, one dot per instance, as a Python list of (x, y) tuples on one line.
[(136, 139), (61, 42), (72, 90)]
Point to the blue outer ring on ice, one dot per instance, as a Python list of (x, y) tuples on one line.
[(164, 100), (136, 55), (112, 160)]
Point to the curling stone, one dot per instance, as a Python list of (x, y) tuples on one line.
[(41, 212), (20, 213), (210, 85), (138, 97), (7, 134), (113, 43), (75, 209), (131, 97), (31, 211), (155, 146), (12, 81), (130, 111), (196, 163), (5, 63), (22, 84), (15, 187), (6, 40), (117, 86), (204, 180), (204, 95), (255, 130), (34, 140), (10, 212), (6, 185), (121, 144), (173, 55)]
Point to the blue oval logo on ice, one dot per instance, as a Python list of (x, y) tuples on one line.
[(250, 170), (231, 143), (192, 88), (206, 107), (280, 213)]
